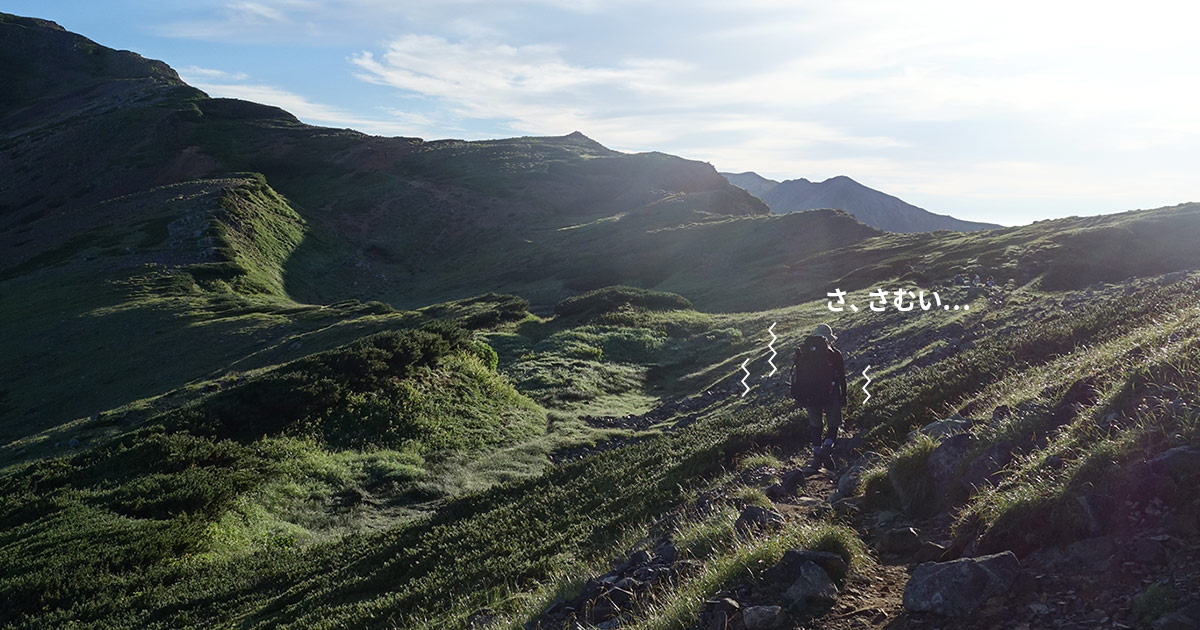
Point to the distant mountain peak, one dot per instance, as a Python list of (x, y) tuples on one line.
[(751, 182), (873, 207)]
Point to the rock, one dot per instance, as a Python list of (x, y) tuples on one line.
[(788, 568), (1146, 551), (913, 496), (847, 507), (73, 442), (776, 492), (943, 428), (982, 470), (1092, 551), (755, 517), (1180, 524), (631, 584), (610, 604), (1151, 484), (813, 584), (930, 551), (725, 614), (1178, 462), (1174, 621), (762, 617), (847, 484), (902, 540), (958, 587), (665, 552), (591, 590), (650, 575), (638, 559), (792, 480), (944, 463), (619, 596), (1097, 511)]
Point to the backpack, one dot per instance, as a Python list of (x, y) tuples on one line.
[(814, 374)]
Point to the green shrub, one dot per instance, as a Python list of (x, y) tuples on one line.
[(485, 353), (612, 298), (1153, 602)]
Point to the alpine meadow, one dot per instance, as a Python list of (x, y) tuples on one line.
[(256, 373)]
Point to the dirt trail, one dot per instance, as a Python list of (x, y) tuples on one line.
[(871, 595)]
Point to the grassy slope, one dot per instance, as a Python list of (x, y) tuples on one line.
[(210, 516)]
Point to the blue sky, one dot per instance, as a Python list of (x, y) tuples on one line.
[(1008, 113)]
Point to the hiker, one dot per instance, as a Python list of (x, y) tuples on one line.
[(819, 385), (990, 282)]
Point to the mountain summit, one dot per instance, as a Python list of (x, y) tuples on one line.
[(868, 205)]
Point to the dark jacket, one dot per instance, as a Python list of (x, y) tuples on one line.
[(823, 382)]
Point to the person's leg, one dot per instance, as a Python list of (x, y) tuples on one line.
[(815, 426), (833, 419)]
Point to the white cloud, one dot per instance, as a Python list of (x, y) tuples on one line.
[(192, 74), (257, 10), (637, 104), (395, 123)]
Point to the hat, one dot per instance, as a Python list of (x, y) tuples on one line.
[(823, 330)]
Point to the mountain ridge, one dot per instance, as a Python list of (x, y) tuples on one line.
[(873, 207)]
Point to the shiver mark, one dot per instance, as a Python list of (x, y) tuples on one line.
[(745, 377), (771, 345), (864, 385)]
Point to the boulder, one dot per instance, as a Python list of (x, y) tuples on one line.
[(812, 585), (755, 518), (1092, 551), (982, 471), (792, 479), (902, 540), (943, 428), (944, 463), (913, 497), (847, 484), (777, 492), (788, 568), (762, 617), (1179, 462), (1147, 552), (958, 587)]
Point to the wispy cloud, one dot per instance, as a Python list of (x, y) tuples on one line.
[(195, 74), (392, 122), (1058, 100), (636, 103)]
